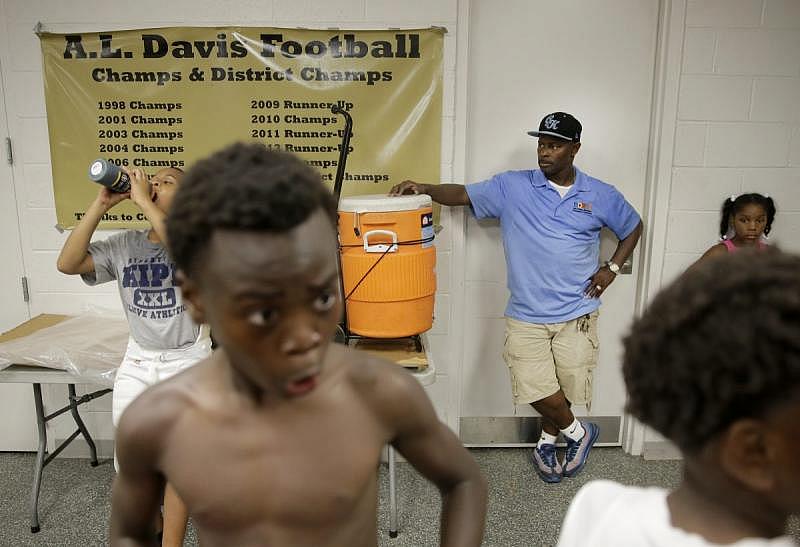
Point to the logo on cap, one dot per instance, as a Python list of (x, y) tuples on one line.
[(560, 125), (550, 122)]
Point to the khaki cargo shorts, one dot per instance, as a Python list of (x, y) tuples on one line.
[(543, 358)]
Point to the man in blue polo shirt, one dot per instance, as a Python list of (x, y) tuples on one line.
[(551, 219)]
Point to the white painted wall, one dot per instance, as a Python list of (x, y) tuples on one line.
[(52, 292), (15, 400), (730, 123), (594, 60), (737, 122), (744, 134)]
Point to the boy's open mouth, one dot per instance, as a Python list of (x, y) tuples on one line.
[(301, 386)]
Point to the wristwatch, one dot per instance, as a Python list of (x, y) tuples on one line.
[(613, 267)]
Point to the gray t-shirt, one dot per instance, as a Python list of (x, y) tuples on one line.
[(145, 277)]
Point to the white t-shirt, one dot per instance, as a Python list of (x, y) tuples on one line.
[(562, 190), (607, 513)]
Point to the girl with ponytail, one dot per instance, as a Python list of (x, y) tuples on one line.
[(745, 223)]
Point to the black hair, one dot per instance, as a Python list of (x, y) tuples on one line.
[(174, 167), (242, 187), (734, 204), (720, 344)]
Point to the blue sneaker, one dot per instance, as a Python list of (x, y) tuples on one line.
[(578, 451), (544, 458)]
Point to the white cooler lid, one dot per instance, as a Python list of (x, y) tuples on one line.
[(378, 203)]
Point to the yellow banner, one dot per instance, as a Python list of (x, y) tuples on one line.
[(164, 97)]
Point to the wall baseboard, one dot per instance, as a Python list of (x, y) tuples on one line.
[(512, 431), (660, 450), (502, 436)]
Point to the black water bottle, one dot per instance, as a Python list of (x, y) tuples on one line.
[(109, 175)]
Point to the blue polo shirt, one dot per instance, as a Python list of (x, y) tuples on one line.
[(552, 245)]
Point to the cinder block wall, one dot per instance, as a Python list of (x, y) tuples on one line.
[(738, 121), (20, 57), (736, 127)]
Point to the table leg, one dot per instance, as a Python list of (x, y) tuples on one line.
[(40, 453), (73, 408), (392, 494)]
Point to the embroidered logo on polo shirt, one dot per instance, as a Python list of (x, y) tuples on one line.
[(582, 207)]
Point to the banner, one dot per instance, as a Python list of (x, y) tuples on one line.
[(166, 97)]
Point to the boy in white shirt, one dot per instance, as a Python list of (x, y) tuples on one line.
[(714, 366), (164, 340)]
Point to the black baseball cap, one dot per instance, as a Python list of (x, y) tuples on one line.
[(560, 125)]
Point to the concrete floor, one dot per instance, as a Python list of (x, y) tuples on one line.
[(74, 505)]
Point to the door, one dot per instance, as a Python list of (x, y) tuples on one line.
[(17, 415), (591, 58)]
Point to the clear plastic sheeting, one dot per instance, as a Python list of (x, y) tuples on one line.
[(90, 346)]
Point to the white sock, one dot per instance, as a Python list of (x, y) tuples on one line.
[(574, 431), (546, 438)]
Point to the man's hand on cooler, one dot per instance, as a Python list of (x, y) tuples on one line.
[(408, 187)]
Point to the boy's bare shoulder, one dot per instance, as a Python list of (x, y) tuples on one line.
[(151, 416), (384, 383), (367, 369)]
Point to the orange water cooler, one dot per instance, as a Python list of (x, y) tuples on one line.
[(388, 264)]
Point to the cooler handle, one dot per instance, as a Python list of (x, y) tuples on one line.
[(380, 247)]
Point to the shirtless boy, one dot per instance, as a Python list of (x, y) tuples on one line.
[(275, 439)]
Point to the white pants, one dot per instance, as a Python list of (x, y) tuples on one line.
[(142, 368)]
